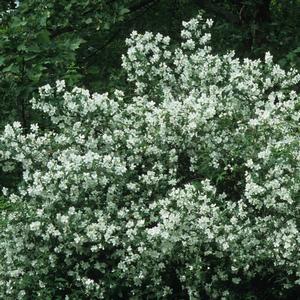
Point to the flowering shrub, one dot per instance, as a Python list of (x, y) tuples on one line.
[(187, 186)]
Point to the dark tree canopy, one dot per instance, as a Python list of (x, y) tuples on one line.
[(81, 41)]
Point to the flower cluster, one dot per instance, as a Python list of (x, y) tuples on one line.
[(188, 188)]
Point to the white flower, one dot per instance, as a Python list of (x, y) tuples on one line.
[(60, 85), (35, 226)]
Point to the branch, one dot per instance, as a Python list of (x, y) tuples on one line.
[(60, 31), (142, 5), (208, 6), (107, 42), (136, 7)]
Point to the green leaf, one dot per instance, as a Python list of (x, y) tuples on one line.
[(106, 26), (22, 47), (75, 44), (124, 11), (43, 37), (88, 21), (93, 70), (34, 76), (12, 68), (2, 60)]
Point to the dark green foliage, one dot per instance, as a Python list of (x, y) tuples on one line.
[(254, 27), (82, 41), (39, 41)]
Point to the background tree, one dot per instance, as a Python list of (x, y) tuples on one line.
[(255, 26), (81, 41)]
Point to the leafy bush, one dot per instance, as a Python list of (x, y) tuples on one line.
[(185, 187)]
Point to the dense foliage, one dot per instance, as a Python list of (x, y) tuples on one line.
[(185, 186)]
